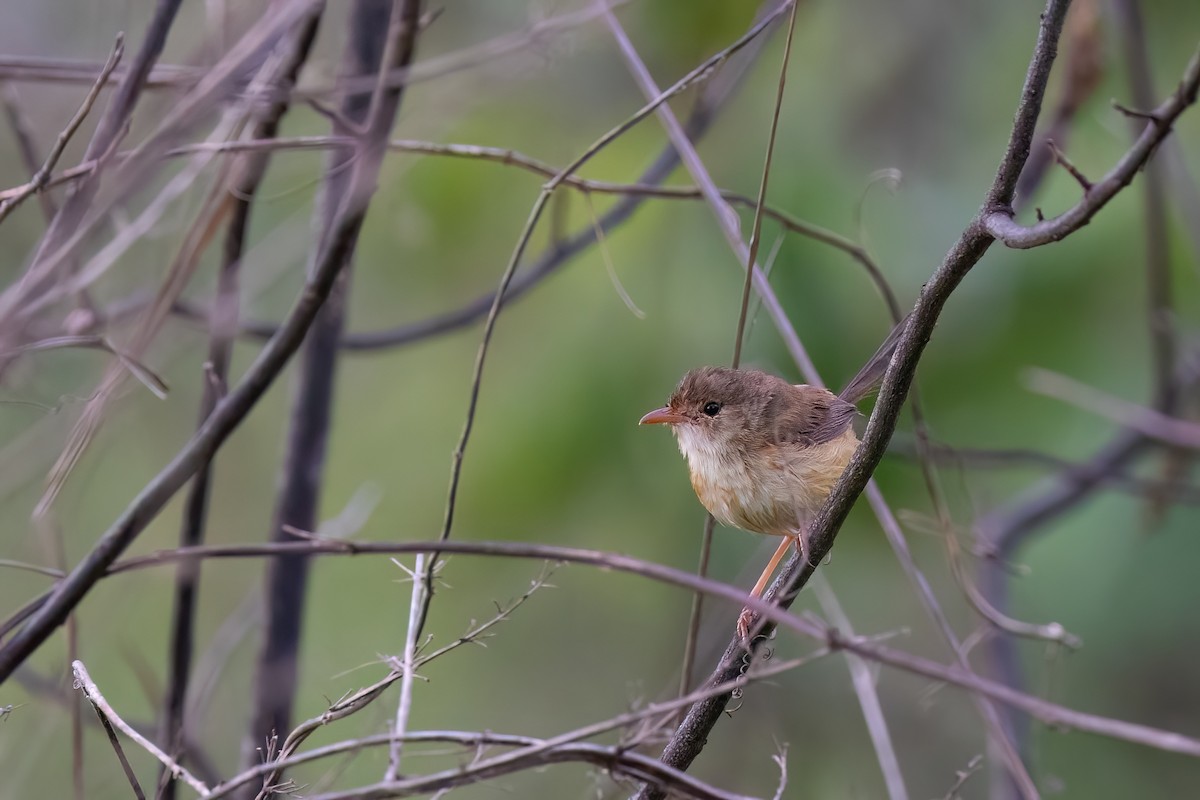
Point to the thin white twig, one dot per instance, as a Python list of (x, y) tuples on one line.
[(780, 760), (407, 667), (84, 682)]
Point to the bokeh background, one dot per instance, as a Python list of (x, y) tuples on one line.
[(924, 87)]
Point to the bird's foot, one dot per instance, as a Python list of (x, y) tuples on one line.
[(743, 625)]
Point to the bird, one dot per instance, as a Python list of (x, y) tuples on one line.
[(764, 454)]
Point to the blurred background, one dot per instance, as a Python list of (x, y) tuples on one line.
[(927, 89)]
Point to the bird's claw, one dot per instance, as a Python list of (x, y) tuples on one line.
[(743, 625)]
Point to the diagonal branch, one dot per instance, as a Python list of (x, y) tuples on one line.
[(243, 187), (691, 736), (228, 414), (998, 220)]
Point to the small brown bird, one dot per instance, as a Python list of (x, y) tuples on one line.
[(764, 454)]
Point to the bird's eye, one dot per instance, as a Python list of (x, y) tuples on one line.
[(712, 409)]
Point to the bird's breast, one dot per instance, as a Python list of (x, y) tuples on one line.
[(772, 490)]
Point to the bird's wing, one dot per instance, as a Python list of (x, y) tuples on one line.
[(871, 375), (811, 416)]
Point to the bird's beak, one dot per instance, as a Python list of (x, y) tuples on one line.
[(662, 416)]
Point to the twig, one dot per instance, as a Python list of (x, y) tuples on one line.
[(1027, 458), (227, 415), (691, 735), (536, 753), (246, 179), (756, 227), (39, 179), (383, 36), (356, 701), (1154, 206), (1083, 48), (109, 130), (84, 681), (1146, 421), (116, 746), (407, 669), (477, 632), (962, 776), (780, 759), (25, 145), (868, 697), (654, 103), (998, 222), (77, 220), (146, 376), (724, 213), (38, 568), (1047, 711), (1061, 159)]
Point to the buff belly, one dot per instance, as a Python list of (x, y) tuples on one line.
[(775, 498)]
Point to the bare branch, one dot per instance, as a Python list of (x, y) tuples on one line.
[(383, 36), (1146, 421), (407, 668), (243, 185), (999, 223), (689, 739), (1051, 713), (84, 681), (534, 753), (39, 179), (868, 697)]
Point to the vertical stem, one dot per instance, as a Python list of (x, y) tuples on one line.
[(382, 37), (222, 327)]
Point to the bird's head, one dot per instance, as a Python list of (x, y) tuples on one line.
[(714, 410)]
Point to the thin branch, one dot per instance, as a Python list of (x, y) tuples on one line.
[(1146, 421), (691, 736), (84, 682), (39, 179), (655, 103), (383, 36), (1083, 62), (146, 376), (1154, 209), (998, 220), (116, 746), (868, 697), (36, 289), (24, 136), (756, 226), (1027, 458), (962, 776), (407, 668), (243, 187), (225, 417), (1049, 712), (108, 132), (615, 759), (356, 701)]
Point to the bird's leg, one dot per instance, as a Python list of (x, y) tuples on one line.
[(743, 623)]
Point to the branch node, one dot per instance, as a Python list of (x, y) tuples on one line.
[(1066, 164), (1149, 116)]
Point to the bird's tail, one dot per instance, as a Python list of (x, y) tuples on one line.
[(871, 375)]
